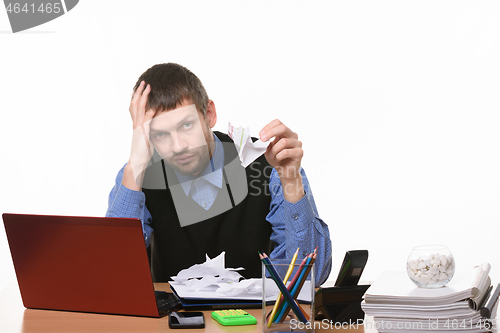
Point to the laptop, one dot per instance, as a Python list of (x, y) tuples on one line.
[(85, 264)]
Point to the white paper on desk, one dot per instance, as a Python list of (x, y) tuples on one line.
[(211, 272), (211, 292), (236, 290), (247, 287), (254, 287), (211, 280), (248, 151)]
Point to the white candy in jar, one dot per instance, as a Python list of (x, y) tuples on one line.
[(431, 269)]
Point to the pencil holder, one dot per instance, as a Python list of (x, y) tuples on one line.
[(300, 285)]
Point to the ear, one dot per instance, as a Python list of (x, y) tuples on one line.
[(211, 114)]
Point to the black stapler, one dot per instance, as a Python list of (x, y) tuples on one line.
[(342, 303)]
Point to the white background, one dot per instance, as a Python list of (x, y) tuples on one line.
[(396, 102)]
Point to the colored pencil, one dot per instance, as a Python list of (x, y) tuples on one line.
[(285, 280), (296, 290), (291, 284), (289, 299), (282, 301), (284, 307)]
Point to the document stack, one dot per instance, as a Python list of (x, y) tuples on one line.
[(398, 305)]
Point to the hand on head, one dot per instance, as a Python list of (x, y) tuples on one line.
[(142, 148)]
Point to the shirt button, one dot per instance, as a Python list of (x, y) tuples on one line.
[(141, 205), (204, 205), (295, 217)]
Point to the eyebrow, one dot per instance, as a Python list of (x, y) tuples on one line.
[(188, 117)]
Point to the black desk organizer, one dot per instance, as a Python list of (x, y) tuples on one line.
[(342, 303)]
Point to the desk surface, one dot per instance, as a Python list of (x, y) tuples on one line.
[(15, 318)]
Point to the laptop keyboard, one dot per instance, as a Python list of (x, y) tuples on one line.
[(167, 302)]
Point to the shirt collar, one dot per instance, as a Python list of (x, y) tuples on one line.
[(212, 172)]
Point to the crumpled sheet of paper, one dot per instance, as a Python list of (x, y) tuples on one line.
[(248, 151), (248, 287), (211, 272), (211, 280), (212, 276)]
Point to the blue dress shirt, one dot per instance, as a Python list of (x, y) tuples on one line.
[(204, 187), (294, 225)]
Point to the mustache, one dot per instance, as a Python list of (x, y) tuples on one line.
[(190, 151)]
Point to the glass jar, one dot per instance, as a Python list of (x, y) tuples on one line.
[(430, 266)]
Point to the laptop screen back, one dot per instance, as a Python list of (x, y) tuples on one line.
[(86, 264)]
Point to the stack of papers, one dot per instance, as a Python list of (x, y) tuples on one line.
[(398, 305)]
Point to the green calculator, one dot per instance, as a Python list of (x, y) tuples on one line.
[(234, 317)]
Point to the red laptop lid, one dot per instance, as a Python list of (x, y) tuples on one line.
[(88, 264)]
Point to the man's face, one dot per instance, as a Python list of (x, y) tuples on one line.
[(183, 138)]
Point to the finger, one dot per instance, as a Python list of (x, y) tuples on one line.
[(148, 116), (283, 144), (295, 153), (269, 150), (135, 100), (276, 129), (145, 125), (141, 107), (144, 100), (137, 94), (266, 129)]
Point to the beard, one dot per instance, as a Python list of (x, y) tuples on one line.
[(190, 162)]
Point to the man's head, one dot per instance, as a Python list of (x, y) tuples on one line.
[(181, 128), (171, 85)]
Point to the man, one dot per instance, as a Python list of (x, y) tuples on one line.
[(187, 184)]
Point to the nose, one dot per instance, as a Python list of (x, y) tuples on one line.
[(179, 144)]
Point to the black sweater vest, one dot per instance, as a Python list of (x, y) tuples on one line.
[(240, 231)]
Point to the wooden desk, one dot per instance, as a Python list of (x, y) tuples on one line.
[(15, 318)]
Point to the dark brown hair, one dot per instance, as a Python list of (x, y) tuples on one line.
[(171, 85)]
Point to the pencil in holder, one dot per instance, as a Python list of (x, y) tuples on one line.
[(277, 314)]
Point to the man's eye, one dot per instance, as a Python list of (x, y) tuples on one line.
[(159, 135), (188, 125)]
